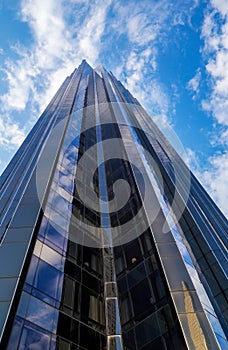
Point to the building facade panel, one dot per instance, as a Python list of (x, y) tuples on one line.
[(108, 241)]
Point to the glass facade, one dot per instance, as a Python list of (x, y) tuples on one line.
[(107, 240)]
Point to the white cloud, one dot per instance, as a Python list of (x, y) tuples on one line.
[(193, 84), (140, 29), (150, 93), (143, 24), (220, 5), (53, 55), (19, 76), (93, 28), (147, 25), (46, 21), (11, 135), (59, 44), (223, 137), (178, 19), (142, 21), (64, 32), (191, 159), (215, 35), (214, 178)]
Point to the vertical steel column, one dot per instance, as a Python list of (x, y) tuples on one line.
[(112, 316)]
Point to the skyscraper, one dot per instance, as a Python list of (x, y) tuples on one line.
[(108, 241)]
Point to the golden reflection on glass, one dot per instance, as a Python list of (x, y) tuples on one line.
[(195, 330)]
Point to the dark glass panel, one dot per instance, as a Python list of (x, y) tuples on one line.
[(151, 264), (122, 284), (68, 292), (146, 240), (76, 307), (72, 250), (158, 285), (72, 270), (89, 338), (109, 131), (125, 308), (141, 299), (119, 263), (129, 340), (92, 259), (68, 327), (62, 344), (156, 344), (147, 330), (133, 253), (90, 281), (136, 275)]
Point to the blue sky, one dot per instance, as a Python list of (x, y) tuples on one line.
[(172, 56)]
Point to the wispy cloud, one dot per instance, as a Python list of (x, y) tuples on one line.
[(60, 40), (143, 24), (215, 51), (191, 160), (146, 26), (92, 31), (64, 32), (141, 29), (193, 84), (214, 177), (215, 35), (57, 48), (150, 92), (11, 135), (19, 76)]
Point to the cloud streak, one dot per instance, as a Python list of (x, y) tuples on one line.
[(194, 84), (11, 135), (215, 35), (58, 45), (64, 32), (215, 50), (57, 48)]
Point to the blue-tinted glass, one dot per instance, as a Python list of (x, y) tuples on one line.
[(33, 338), (23, 305), (18, 234), (48, 279), (32, 269), (7, 286), (15, 335), (25, 216), (4, 307), (12, 256), (45, 318), (56, 236)]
